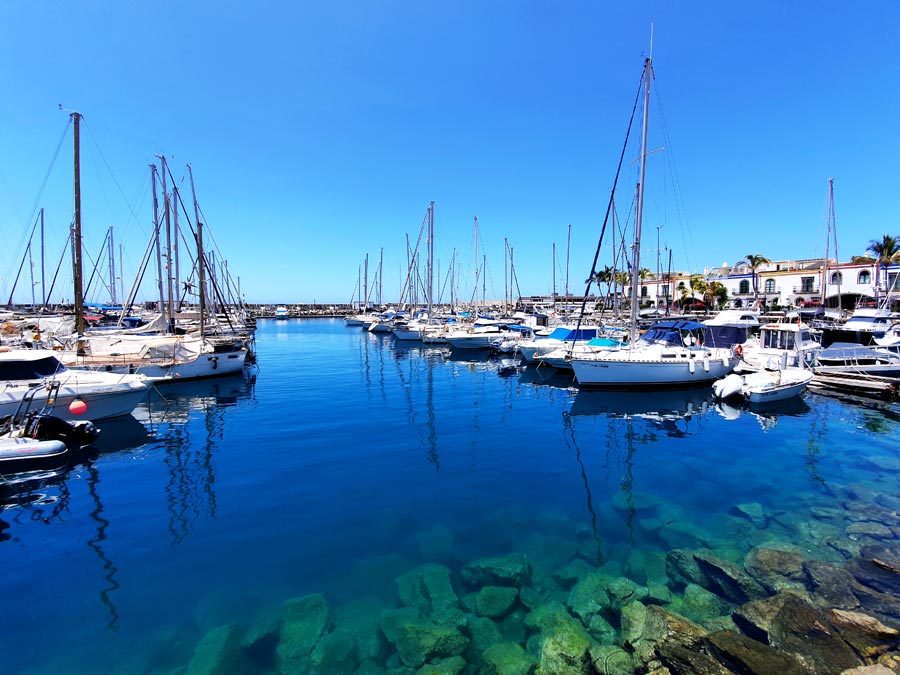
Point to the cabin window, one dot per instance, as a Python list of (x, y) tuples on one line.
[(744, 287), (864, 277), (778, 339), (837, 278), (770, 285)]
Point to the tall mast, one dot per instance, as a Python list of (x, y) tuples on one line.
[(201, 260), (76, 232), (366, 283), (167, 203), (639, 208), (554, 275), (833, 227), (475, 291), (568, 248), (156, 225), (177, 231), (380, 275), (43, 286), (112, 268), (430, 271)]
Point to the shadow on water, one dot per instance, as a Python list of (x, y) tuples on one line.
[(670, 411)]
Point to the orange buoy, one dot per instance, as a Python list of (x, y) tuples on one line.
[(78, 407)]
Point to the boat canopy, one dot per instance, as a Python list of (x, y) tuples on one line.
[(565, 334), (725, 336), (30, 369)]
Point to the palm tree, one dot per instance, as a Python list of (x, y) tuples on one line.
[(884, 251), (755, 261), (716, 293), (698, 285)]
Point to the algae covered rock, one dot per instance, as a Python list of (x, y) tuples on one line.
[(304, 622), (702, 605), (428, 589), (612, 660), (565, 652), (507, 658), (450, 666), (495, 601), (334, 653), (776, 569), (552, 617), (219, 653), (510, 570), (419, 642), (745, 655)]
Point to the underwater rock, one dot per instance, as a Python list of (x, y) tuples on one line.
[(621, 591), (510, 570), (728, 580), (507, 658), (746, 656), (483, 633), (776, 569), (576, 570), (701, 605), (870, 670), (565, 652), (682, 534), (359, 618), (658, 594), (647, 630), (553, 617), (601, 630), (681, 661), (377, 574), (877, 567), (369, 668), (435, 543), (304, 622), (588, 597), (791, 624), (334, 653), (261, 638), (418, 642), (825, 513), (831, 584), (612, 660), (219, 653), (682, 567), (427, 588), (451, 666), (868, 528), (495, 601), (753, 512), (641, 503), (390, 621), (646, 566), (867, 635)]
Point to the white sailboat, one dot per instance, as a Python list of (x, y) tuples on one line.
[(670, 354)]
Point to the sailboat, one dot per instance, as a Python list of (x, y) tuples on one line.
[(670, 353)]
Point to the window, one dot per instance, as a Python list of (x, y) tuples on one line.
[(864, 277), (770, 285), (665, 291), (837, 279), (806, 284), (744, 287), (643, 291)]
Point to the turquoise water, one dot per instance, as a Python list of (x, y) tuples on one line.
[(348, 459)]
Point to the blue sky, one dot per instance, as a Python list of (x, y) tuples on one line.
[(319, 132)]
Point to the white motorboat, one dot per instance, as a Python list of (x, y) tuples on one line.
[(281, 312), (81, 394), (561, 336), (791, 343), (764, 386)]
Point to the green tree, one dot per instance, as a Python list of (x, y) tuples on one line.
[(755, 261), (698, 286), (885, 251)]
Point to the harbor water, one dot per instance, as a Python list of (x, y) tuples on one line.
[(347, 460)]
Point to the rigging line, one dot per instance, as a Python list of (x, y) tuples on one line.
[(119, 187), (44, 183), (612, 195), (680, 210)]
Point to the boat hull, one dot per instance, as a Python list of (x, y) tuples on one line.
[(102, 402), (633, 374)]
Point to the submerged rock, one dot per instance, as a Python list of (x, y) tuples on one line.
[(877, 567), (304, 622), (682, 567), (334, 653), (682, 661), (753, 512), (867, 635), (509, 570), (507, 658), (728, 580), (219, 653), (748, 657), (565, 652), (419, 642), (612, 660), (450, 666), (701, 605), (495, 601), (776, 569)]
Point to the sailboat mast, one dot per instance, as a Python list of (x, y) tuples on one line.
[(156, 224), (201, 260), (76, 232), (430, 257), (639, 208), (475, 290), (366, 283), (554, 274), (112, 268), (167, 205), (43, 286), (568, 249)]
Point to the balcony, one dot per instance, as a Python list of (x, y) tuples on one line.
[(806, 288)]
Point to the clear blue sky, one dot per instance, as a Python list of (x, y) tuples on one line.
[(319, 131)]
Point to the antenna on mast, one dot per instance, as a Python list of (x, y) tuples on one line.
[(651, 40)]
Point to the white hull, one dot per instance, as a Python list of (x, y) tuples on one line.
[(475, 341), (205, 365), (622, 371), (778, 386), (105, 401)]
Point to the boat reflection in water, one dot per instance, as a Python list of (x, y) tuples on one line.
[(767, 414), (663, 408)]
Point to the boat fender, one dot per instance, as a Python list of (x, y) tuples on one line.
[(691, 366), (706, 364), (738, 350)]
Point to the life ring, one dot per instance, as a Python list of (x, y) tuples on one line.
[(738, 350)]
